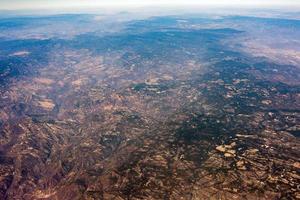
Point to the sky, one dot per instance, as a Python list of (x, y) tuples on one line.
[(48, 4)]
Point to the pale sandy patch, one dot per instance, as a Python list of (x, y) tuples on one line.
[(167, 77), (152, 81), (20, 53), (77, 82), (4, 116), (45, 81), (108, 107), (46, 104), (44, 194)]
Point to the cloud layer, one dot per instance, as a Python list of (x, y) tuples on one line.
[(36, 4)]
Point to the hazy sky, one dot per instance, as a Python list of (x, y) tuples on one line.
[(36, 4)]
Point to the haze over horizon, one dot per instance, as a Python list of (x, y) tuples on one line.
[(55, 4)]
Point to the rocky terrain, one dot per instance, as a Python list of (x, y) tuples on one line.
[(163, 109)]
